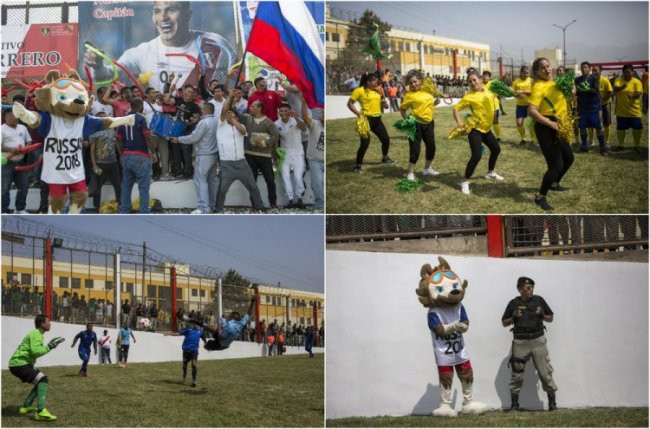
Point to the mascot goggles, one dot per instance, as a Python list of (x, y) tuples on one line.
[(62, 84), (437, 277)]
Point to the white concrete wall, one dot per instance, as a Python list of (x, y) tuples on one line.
[(380, 359), (178, 195), (149, 347)]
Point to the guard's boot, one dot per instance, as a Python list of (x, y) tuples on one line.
[(515, 402), (551, 401)]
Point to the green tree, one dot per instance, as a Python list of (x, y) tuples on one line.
[(359, 33), (235, 291)]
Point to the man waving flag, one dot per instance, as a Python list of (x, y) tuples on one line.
[(284, 35)]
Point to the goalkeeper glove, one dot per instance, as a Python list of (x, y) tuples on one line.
[(55, 342)]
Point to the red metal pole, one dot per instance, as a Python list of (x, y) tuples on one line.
[(258, 330), (455, 60), (173, 286), (316, 325), (500, 68), (48, 277), (495, 236)]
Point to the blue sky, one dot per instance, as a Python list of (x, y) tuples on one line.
[(604, 31), (269, 249)]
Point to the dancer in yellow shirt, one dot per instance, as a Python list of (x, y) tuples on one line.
[(372, 105), (480, 102), (547, 105), (421, 105), (487, 82), (628, 91)]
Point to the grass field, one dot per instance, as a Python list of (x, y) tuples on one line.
[(591, 417), (617, 183), (282, 391)]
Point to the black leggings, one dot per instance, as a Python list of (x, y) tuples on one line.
[(423, 132), (378, 128), (475, 138), (558, 155)]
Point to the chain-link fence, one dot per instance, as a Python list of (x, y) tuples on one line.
[(535, 235), (389, 227)]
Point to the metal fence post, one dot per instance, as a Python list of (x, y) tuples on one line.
[(117, 272), (220, 299)]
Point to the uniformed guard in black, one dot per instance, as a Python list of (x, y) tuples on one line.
[(528, 313)]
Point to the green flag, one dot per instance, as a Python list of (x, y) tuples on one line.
[(373, 49)]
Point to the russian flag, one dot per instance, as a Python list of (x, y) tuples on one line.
[(284, 35)]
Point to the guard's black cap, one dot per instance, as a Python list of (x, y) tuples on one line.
[(523, 281)]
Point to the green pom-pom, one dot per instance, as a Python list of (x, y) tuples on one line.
[(565, 83), (406, 185), (501, 89), (4, 159), (407, 125)]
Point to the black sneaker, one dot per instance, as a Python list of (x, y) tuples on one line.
[(558, 188), (522, 143), (387, 160), (193, 383), (583, 150), (542, 203), (358, 169)]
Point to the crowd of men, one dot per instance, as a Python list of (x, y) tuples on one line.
[(208, 137)]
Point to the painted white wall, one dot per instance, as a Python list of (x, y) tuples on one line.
[(149, 347), (178, 195), (380, 359)]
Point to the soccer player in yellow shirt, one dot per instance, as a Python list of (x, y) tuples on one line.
[(482, 108), (606, 92), (521, 87), (421, 105), (628, 91), (547, 104), (487, 81), (372, 105)]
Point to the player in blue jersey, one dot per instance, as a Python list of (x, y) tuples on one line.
[(86, 339), (589, 107), (190, 348)]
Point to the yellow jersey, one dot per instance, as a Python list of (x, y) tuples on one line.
[(497, 105), (627, 107), (421, 105), (482, 107), (605, 87), (369, 99), (548, 99), (520, 84)]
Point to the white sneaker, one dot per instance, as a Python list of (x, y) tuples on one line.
[(493, 175), (464, 188), (411, 177), (22, 212), (196, 211), (430, 172)]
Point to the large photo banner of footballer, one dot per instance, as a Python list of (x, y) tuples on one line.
[(150, 40)]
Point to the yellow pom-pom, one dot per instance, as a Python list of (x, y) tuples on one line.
[(109, 207), (362, 127), (463, 130), (135, 206), (565, 127)]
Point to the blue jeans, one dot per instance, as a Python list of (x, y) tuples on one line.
[(84, 355), (10, 175), (317, 175), (206, 182), (136, 170)]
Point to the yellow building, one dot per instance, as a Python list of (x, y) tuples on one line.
[(97, 280), (431, 53)]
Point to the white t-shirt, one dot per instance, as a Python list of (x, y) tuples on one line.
[(241, 106), (148, 111), (218, 105), (448, 349), (290, 136), (230, 142), (15, 137), (99, 107), (316, 144)]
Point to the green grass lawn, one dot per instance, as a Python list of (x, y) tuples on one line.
[(617, 183), (590, 417), (282, 391)]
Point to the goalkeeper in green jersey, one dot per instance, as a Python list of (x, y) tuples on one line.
[(22, 366)]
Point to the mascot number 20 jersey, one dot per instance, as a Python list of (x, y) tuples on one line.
[(449, 349)]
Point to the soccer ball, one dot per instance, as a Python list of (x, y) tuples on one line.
[(145, 323)]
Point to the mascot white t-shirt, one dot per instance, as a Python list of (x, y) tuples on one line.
[(62, 147), (448, 349)]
